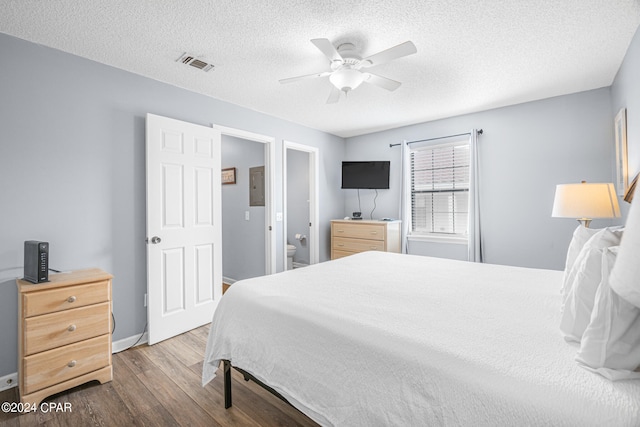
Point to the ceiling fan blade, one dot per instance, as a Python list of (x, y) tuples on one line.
[(328, 49), (308, 76), (334, 96), (403, 49), (382, 82)]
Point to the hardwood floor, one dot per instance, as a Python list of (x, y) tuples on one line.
[(160, 385)]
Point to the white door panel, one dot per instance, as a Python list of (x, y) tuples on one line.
[(183, 226)]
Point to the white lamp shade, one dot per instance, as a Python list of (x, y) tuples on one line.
[(586, 200), (346, 79)]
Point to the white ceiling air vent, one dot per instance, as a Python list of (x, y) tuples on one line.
[(190, 59)]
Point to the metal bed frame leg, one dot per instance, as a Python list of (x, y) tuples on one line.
[(226, 371), (226, 366)]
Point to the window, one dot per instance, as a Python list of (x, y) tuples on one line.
[(440, 190)]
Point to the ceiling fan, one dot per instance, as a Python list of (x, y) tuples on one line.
[(347, 67)]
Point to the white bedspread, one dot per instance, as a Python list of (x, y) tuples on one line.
[(380, 339)]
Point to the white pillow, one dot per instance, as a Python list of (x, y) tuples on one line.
[(611, 343), (580, 236), (583, 279), (625, 276)]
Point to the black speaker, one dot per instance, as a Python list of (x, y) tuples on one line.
[(36, 261)]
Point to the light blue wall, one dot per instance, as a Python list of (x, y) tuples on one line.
[(72, 171), (243, 241), (525, 151), (625, 93)]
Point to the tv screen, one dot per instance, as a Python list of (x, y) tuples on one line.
[(365, 174)]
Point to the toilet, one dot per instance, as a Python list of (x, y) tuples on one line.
[(291, 251)]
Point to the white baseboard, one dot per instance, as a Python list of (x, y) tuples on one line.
[(300, 264), (125, 343), (228, 280), (9, 381)]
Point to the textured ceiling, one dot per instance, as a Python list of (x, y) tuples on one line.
[(472, 55)]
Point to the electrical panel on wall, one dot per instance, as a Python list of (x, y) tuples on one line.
[(256, 186)]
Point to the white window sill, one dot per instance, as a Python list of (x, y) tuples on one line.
[(434, 238)]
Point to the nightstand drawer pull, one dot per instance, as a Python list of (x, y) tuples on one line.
[(71, 364), (71, 299), (71, 328)]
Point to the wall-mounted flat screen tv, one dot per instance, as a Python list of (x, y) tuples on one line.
[(370, 175)]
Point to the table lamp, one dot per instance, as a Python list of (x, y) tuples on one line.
[(585, 201)]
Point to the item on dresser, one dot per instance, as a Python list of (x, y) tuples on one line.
[(36, 261), (64, 333), (350, 237)]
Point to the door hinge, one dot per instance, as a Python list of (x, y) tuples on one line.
[(269, 228)]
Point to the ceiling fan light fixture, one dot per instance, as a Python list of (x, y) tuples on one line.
[(346, 64), (346, 79)]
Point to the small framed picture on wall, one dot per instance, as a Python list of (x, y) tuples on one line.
[(228, 176), (622, 179)]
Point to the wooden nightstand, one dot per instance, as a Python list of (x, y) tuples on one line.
[(350, 237), (64, 333)]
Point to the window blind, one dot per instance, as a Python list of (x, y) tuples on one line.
[(440, 189)]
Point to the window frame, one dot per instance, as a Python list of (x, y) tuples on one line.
[(437, 237)]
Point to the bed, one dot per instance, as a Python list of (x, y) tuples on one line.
[(389, 339)]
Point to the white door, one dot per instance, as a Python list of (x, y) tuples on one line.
[(184, 232)]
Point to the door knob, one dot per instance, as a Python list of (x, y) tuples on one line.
[(155, 240)]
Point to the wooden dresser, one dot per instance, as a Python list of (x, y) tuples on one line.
[(64, 333), (349, 237)]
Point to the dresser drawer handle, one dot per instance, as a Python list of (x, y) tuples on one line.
[(71, 328), (340, 244), (71, 364), (374, 247), (339, 231), (373, 232), (71, 299)]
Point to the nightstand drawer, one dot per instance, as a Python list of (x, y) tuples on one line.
[(359, 231), (52, 300), (65, 327), (357, 245), (55, 366)]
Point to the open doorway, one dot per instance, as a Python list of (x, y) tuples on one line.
[(300, 197), (247, 227), (243, 235)]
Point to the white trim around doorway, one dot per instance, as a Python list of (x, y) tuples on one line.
[(269, 172), (314, 194)]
